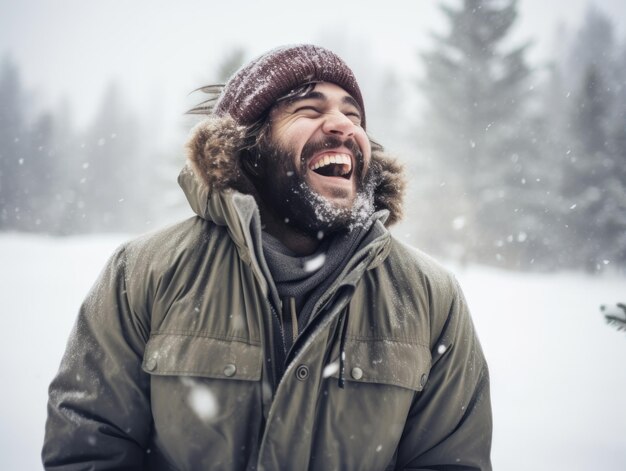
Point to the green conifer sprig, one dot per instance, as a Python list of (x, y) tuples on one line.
[(615, 315)]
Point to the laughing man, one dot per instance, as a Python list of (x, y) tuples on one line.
[(282, 327)]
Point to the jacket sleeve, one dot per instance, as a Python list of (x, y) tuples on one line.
[(449, 425), (98, 407)]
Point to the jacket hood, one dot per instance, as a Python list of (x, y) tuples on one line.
[(213, 157)]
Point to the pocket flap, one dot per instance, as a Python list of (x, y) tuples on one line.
[(387, 362), (193, 355)]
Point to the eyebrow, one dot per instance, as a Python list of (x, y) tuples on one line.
[(313, 95)]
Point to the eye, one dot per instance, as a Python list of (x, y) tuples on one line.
[(307, 110), (354, 116)]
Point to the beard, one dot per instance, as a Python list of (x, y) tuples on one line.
[(285, 192)]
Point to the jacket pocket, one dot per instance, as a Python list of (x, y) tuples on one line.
[(389, 362), (191, 354), (205, 396), (383, 378)]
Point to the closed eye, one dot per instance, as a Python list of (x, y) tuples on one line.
[(306, 108), (354, 116)]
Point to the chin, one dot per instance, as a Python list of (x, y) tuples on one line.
[(341, 196), (340, 203)]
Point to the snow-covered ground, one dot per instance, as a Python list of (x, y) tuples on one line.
[(558, 372)]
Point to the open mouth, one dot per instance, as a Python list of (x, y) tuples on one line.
[(332, 165)]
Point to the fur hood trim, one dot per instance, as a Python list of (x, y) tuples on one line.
[(213, 152)]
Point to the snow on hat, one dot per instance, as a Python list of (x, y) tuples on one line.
[(256, 87)]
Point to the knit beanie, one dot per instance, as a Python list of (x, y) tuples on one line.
[(254, 88)]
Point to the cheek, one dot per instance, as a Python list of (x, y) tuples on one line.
[(364, 143), (303, 133), (296, 131)]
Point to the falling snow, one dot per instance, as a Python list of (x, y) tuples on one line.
[(201, 399), (315, 263), (330, 369)]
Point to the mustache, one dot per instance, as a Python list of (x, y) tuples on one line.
[(331, 142)]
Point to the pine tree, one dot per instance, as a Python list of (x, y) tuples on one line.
[(594, 178), (38, 170), (617, 148), (13, 149), (589, 168), (479, 137), (108, 175), (64, 214)]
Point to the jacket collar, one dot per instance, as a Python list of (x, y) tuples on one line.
[(240, 214)]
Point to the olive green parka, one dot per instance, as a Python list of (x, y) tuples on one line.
[(169, 365)]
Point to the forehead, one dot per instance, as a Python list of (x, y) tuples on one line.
[(322, 91)]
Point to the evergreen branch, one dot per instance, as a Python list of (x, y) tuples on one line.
[(615, 315)]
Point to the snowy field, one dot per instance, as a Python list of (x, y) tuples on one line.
[(558, 371)]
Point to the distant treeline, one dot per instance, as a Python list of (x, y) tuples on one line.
[(511, 165), (520, 167), (60, 180)]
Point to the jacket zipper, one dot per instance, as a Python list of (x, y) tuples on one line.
[(320, 306)]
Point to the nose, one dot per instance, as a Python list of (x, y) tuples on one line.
[(338, 124)]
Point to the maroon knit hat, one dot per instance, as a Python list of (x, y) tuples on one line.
[(256, 87)]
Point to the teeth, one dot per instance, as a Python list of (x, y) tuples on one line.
[(342, 159)]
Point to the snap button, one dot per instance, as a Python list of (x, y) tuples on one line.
[(423, 380), (302, 372), (230, 370), (356, 373), (151, 364)]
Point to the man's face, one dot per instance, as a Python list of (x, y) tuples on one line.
[(316, 161)]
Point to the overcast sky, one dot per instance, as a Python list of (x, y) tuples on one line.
[(159, 50)]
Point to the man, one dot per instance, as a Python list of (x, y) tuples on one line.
[(282, 327)]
